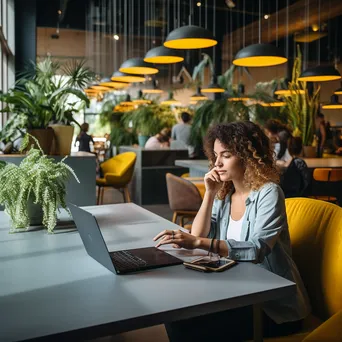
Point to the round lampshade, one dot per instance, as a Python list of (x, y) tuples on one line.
[(273, 104), (152, 91), (140, 99), (123, 77), (100, 87), (107, 82), (137, 66), (259, 55), (163, 55), (334, 104), (338, 91), (213, 87), (171, 101), (190, 37), (238, 98), (288, 92), (320, 74), (198, 96)]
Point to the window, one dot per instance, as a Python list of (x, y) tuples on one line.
[(7, 68)]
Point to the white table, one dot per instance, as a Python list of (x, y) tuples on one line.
[(50, 287)]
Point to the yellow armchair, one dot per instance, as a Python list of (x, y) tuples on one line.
[(316, 236), (117, 173)]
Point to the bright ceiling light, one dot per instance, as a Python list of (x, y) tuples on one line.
[(137, 66), (163, 55)]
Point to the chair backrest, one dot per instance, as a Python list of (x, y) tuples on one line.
[(327, 174), (183, 195), (121, 166), (316, 237)]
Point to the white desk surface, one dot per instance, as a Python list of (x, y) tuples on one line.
[(50, 287)]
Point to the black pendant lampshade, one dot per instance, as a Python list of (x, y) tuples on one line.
[(338, 91), (137, 66), (334, 104), (140, 99), (152, 88), (320, 74), (171, 101), (213, 87), (190, 37), (259, 55), (163, 55), (198, 96), (119, 76)]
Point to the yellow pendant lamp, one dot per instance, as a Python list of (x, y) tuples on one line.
[(320, 74), (334, 104), (100, 88), (171, 101), (152, 89), (198, 96), (190, 37), (338, 91), (107, 82), (163, 55), (137, 66), (127, 101), (123, 77), (213, 87), (140, 99), (239, 96)]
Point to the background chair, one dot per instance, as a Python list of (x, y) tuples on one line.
[(117, 173), (316, 236), (328, 175), (184, 198)]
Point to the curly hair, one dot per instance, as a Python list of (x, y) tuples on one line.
[(248, 142)]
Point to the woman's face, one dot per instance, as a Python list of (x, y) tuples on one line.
[(228, 166)]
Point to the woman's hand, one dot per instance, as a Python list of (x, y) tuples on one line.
[(212, 181), (177, 237)]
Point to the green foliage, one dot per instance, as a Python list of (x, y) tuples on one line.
[(44, 97), (38, 178), (214, 112), (301, 108), (149, 119)]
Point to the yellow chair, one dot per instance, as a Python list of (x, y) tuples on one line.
[(117, 173), (316, 237), (197, 181), (327, 175)]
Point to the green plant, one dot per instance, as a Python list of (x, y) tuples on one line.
[(149, 119), (43, 97), (301, 108), (37, 178)]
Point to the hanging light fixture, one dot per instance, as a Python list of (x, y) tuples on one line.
[(107, 82), (137, 66), (334, 104), (261, 54), (127, 101), (338, 91), (123, 77), (320, 74), (273, 104), (190, 37), (171, 101), (152, 88), (140, 99), (163, 55), (213, 87), (100, 87), (239, 96), (284, 90), (198, 96)]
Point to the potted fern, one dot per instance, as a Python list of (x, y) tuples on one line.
[(33, 191)]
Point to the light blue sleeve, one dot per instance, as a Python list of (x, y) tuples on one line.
[(173, 133), (269, 222), (213, 233)]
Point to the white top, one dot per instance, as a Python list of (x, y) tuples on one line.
[(234, 228), (286, 157)]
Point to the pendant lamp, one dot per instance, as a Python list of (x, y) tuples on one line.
[(163, 55), (137, 66), (123, 77), (127, 101), (283, 89), (100, 87), (171, 101), (338, 91), (320, 74), (259, 55), (239, 96), (190, 37), (107, 82), (213, 87), (334, 104), (140, 99), (152, 89), (198, 96)]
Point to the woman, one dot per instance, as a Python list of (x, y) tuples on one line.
[(320, 134), (160, 140), (242, 217)]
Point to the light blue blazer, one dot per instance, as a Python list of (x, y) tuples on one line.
[(265, 240)]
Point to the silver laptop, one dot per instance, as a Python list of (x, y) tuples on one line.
[(119, 262)]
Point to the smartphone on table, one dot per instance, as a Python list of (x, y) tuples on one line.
[(210, 264)]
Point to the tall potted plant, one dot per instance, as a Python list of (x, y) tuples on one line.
[(44, 97), (32, 191), (302, 108)]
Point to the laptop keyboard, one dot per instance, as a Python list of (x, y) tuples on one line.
[(126, 260)]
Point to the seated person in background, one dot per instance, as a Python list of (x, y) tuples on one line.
[(84, 139), (181, 135), (160, 140), (242, 217), (278, 134), (296, 178)]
